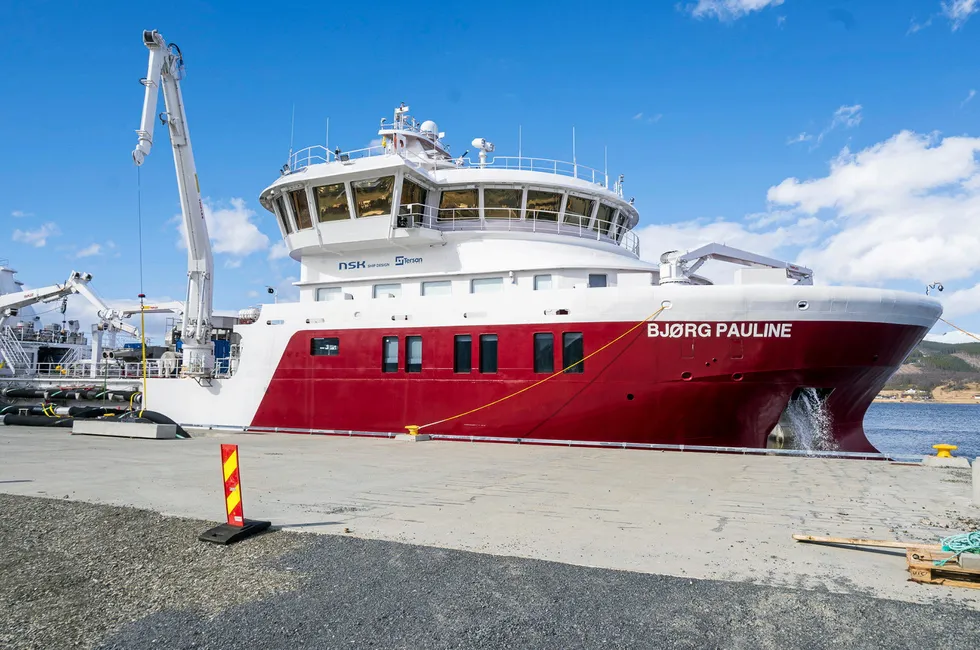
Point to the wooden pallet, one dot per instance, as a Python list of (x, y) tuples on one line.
[(922, 568)]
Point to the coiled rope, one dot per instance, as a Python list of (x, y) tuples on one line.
[(960, 544), (549, 377)]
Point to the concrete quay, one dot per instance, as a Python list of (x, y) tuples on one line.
[(722, 517)]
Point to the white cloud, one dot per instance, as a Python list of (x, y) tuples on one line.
[(638, 116), (278, 251), (969, 96), (89, 251), (730, 9), (17, 214), (780, 21), (231, 228), (959, 11), (846, 117), (953, 336), (651, 119), (906, 208), (37, 237), (916, 27)]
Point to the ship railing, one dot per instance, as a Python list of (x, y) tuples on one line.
[(318, 154), (509, 219), (113, 369), (544, 165)]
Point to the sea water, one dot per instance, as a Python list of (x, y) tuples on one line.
[(913, 428)]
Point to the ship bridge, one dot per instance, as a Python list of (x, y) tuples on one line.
[(410, 191)]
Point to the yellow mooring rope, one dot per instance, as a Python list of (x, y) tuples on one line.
[(538, 383), (960, 329)]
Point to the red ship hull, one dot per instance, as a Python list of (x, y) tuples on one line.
[(710, 391)]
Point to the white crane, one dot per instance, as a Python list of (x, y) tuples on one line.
[(165, 70), (11, 303)]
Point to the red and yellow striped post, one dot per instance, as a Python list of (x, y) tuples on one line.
[(236, 526), (233, 485)]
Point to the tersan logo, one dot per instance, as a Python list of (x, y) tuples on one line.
[(344, 266), (401, 260)]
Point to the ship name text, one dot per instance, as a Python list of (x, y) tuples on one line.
[(717, 330)]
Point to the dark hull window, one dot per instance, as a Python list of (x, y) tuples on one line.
[(389, 354), (463, 353), (327, 347), (331, 202), (573, 349), (301, 208), (488, 353), (544, 352), (283, 217), (373, 197), (597, 280), (413, 354)]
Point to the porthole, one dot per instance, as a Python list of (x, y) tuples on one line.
[(629, 396), (803, 305), (686, 376), (737, 376), (666, 304)]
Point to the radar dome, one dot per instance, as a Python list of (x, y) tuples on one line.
[(429, 128)]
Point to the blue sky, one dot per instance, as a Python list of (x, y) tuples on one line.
[(711, 108)]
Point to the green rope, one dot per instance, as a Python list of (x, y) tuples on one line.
[(959, 544)]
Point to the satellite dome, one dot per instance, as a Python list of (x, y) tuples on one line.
[(429, 128)]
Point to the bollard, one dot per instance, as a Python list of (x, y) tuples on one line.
[(976, 481), (236, 527)]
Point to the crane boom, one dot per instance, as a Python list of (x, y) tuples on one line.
[(166, 66)]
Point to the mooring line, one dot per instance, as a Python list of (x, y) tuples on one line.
[(970, 334)]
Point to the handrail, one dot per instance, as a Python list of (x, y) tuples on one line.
[(509, 219), (155, 368), (318, 154)]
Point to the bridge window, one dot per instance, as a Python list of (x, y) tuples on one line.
[(325, 347), (573, 350), (283, 216), (437, 288), (578, 211), (413, 354), (389, 354), (329, 293), (502, 203), (486, 285), (301, 209), (604, 218), (387, 291), (463, 353), (543, 206), (544, 352), (488, 353), (373, 196), (413, 200), (542, 282), (459, 204), (597, 280), (331, 203)]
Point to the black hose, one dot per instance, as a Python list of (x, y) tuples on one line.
[(11, 419), (160, 418)]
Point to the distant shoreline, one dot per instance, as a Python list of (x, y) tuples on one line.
[(880, 400)]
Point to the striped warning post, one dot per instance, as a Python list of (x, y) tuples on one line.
[(236, 526)]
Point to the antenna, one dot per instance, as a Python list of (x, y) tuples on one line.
[(292, 129), (605, 164), (574, 160), (326, 141), (520, 142)]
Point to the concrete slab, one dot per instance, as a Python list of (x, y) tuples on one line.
[(407, 437), (953, 461), (725, 517), (124, 429)]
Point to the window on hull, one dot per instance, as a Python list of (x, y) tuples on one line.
[(578, 211), (413, 201), (502, 203), (331, 202), (542, 282), (301, 208), (597, 280), (283, 216), (325, 347), (488, 353), (437, 288), (486, 285), (324, 294), (459, 204), (413, 354), (573, 350), (387, 291), (544, 352), (372, 197), (389, 354), (543, 206), (463, 353)]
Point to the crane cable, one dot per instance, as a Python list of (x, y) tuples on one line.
[(549, 377), (139, 222)]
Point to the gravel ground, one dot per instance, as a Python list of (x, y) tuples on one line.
[(80, 575)]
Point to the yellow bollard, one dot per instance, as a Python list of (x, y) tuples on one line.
[(413, 430), (942, 451)]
